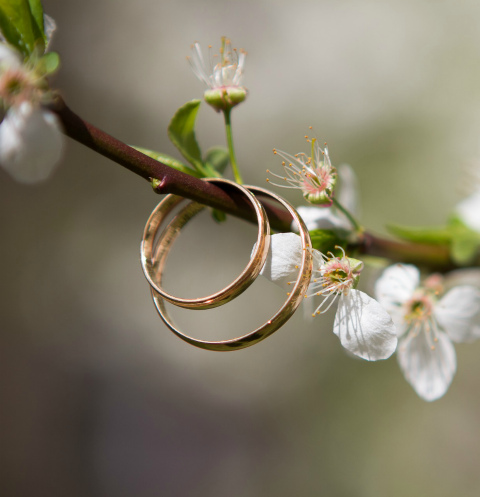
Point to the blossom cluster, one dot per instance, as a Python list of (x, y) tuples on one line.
[(362, 325), (31, 141), (419, 320)]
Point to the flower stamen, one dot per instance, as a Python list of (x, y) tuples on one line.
[(314, 175), (334, 277)]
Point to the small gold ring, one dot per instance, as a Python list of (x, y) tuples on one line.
[(153, 266), (294, 299)]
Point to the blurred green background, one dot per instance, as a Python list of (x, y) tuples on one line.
[(97, 397)]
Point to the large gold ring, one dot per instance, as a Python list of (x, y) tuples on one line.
[(295, 296), (153, 266)]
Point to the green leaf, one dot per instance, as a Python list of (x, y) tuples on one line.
[(436, 236), (21, 26), (169, 161), (49, 63), (326, 241), (181, 132), (464, 248), (36, 11), (465, 242), (219, 216), (457, 224), (217, 158)]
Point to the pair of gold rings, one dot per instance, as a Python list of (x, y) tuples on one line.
[(156, 245)]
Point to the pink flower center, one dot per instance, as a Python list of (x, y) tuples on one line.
[(318, 182), (338, 275), (419, 308), (16, 86)]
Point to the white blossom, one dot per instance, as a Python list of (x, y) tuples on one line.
[(223, 74), (470, 277), (50, 27), (31, 142), (313, 175), (427, 325), (362, 325), (9, 58), (331, 218), (223, 70), (468, 210)]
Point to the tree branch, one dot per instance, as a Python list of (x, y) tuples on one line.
[(169, 180), (172, 181)]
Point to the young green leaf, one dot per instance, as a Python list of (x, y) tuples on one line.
[(49, 63), (181, 132), (436, 236), (36, 11), (465, 242), (169, 161), (464, 248), (21, 26), (219, 216), (217, 158), (326, 240), (455, 223)]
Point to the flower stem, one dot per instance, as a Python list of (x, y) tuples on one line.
[(355, 224), (231, 150)]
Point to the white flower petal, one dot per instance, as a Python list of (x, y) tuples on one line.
[(397, 313), (239, 72), (475, 330), (50, 26), (9, 58), (364, 327), (469, 211), (284, 258), (465, 276), (322, 218), (396, 285), (430, 372), (227, 72), (31, 143), (198, 64), (456, 310)]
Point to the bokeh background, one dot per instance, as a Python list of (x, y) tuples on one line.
[(97, 397)]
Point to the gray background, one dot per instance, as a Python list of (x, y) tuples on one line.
[(98, 398)]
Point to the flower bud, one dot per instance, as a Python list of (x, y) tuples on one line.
[(322, 198), (225, 98)]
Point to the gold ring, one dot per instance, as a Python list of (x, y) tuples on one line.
[(153, 266), (295, 296)]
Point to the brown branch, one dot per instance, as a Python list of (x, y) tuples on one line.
[(436, 257), (172, 181)]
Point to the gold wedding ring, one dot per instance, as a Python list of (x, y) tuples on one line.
[(294, 299), (153, 266)]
